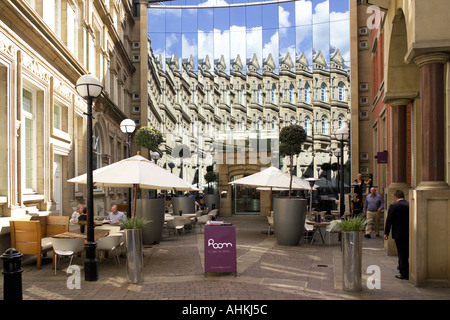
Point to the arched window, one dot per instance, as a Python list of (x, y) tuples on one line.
[(341, 121), (291, 93), (341, 91), (258, 95), (274, 94), (324, 125), (259, 124), (274, 123), (306, 93), (242, 123), (292, 121), (323, 93), (307, 125)]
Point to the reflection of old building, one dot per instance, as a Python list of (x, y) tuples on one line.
[(182, 103), (45, 46), (405, 45)]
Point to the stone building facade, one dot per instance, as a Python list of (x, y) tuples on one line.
[(45, 47), (408, 53)]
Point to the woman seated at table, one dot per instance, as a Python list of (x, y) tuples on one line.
[(81, 210)]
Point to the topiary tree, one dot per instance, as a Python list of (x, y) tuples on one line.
[(149, 138), (210, 176), (291, 139)]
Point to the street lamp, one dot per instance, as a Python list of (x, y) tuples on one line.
[(128, 126), (155, 156), (89, 88), (337, 152), (342, 135)]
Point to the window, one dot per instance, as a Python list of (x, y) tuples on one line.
[(258, 95), (259, 124), (274, 123), (341, 121), (291, 94), (274, 96), (29, 139), (306, 93), (292, 121), (307, 125), (324, 125), (97, 148), (341, 90), (57, 116), (323, 93)]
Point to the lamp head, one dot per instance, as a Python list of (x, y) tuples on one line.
[(127, 126), (89, 86), (342, 134)]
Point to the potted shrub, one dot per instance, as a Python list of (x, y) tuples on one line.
[(212, 199), (352, 229), (134, 246), (289, 213), (149, 138)]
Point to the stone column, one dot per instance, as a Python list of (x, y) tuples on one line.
[(433, 115), (397, 155), (430, 201)]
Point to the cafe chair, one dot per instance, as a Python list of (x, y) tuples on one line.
[(177, 225), (308, 230), (66, 248), (204, 219), (271, 224), (109, 244)]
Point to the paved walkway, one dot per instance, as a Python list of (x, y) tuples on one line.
[(266, 271)]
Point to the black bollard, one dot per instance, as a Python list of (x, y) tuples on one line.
[(12, 271)]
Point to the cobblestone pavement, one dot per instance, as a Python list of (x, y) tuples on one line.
[(266, 271)]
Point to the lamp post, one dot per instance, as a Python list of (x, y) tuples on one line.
[(128, 126), (89, 88), (337, 152), (342, 135), (311, 181)]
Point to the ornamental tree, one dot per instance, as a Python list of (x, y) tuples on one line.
[(291, 139), (148, 137)]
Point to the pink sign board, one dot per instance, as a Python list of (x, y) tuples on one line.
[(220, 249)]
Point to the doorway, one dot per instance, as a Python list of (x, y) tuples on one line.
[(245, 200)]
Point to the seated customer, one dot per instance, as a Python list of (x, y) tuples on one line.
[(76, 215), (115, 215)]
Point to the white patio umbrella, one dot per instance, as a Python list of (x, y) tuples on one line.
[(136, 172), (272, 178)]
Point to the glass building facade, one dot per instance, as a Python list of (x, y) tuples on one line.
[(195, 30)]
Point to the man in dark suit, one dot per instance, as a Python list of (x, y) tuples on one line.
[(398, 220)]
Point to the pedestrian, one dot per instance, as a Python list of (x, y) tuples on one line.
[(398, 220), (373, 205), (359, 185)]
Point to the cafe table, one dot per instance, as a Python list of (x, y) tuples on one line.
[(317, 226), (98, 234)]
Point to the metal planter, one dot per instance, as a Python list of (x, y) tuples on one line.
[(135, 255), (289, 220), (151, 210), (187, 204), (351, 260)]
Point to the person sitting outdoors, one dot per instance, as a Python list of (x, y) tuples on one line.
[(115, 216), (76, 214)]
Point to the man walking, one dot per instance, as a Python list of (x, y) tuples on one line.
[(398, 220), (372, 207)]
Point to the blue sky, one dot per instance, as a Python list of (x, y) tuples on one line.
[(212, 28)]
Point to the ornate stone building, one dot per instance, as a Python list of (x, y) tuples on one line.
[(401, 51), (45, 46)]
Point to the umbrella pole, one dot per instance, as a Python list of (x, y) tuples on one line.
[(270, 201), (134, 205)]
